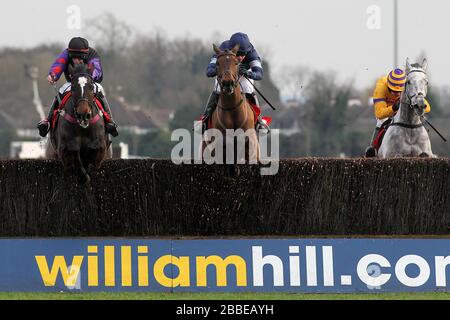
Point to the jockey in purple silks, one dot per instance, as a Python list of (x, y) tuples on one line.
[(77, 52)]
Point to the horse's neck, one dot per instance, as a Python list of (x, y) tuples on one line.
[(406, 113), (231, 101)]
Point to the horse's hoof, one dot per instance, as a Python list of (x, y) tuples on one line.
[(424, 155)]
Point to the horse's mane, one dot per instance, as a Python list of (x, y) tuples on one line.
[(80, 69)]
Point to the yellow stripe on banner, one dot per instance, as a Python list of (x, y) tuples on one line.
[(110, 275), (143, 266), (126, 266), (92, 267)]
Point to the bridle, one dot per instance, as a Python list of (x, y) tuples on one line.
[(236, 79), (78, 118), (411, 106), (406, 91), (77, 76)]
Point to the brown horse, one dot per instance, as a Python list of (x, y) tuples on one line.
[(233, 110), (79, 139)]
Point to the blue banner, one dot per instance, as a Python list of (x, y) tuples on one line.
[(288, 265)]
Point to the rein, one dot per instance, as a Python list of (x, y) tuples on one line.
[(70, 118)]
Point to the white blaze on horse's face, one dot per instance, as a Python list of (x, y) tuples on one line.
[(82, 81)]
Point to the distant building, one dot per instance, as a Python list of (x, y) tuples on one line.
[(27, 149), (354, 103), (120, 151), (132, 118)]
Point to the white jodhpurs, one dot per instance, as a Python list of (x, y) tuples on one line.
[(380, 122)]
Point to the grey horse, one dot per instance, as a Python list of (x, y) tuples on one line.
[(406, 136)]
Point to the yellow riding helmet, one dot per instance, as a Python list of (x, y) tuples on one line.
[(396, 80)]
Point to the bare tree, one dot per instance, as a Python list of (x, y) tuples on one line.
[(110, 33), (293, 81)]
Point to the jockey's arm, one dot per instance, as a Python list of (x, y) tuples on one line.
[(255, 66), (211, 70), (59, 66), (382, 109), (95, 66), (97, 71), (257, 70)]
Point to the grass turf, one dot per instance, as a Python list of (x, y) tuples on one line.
[(220, 296)]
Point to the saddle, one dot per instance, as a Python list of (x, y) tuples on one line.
[(64, 101)]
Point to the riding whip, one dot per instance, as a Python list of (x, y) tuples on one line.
[(57, 93), (440, 135), (259, 92)]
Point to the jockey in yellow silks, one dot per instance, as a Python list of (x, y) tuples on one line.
[(386, 101)]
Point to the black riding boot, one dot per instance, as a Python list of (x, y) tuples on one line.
[(370, 151), (210, 107), (110, 126), (44, 125)]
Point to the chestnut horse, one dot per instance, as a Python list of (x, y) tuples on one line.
[(233, 110), (79, 139)]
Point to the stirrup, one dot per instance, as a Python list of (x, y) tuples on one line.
[(261, 125)]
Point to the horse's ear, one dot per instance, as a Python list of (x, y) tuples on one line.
[(216, 49), (425, 64), (235, 49), (408, 65)]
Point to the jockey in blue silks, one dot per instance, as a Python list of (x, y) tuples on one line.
[(250, 66), (77, 52)]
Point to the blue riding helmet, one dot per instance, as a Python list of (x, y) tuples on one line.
[(244, 43)]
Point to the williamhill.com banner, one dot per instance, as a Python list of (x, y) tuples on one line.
[(291, 265)]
